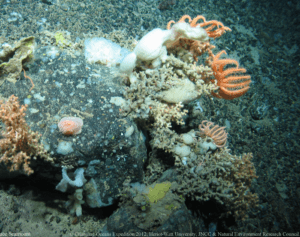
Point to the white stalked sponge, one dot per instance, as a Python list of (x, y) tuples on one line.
[(101, 50)]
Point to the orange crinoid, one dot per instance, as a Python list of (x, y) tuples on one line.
[(213, 28), (231, 84), (217, 133)]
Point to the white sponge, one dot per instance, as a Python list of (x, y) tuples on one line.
[(128, 63), (78, 182), (104, 51)]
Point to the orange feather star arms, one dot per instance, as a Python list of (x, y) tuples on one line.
[(213, 28), (217, 133), (231, 83)]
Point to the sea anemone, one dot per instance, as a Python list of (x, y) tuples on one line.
[(70, 125)]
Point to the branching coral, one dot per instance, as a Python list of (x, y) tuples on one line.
[(223, 177), (195, 47), (157, 97), (19, 143), (163, 136)]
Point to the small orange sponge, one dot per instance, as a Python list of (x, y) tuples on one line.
[(70, 125)]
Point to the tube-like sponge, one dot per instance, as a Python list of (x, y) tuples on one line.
[(78, 182)]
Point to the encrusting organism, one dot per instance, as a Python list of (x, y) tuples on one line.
[(19, 143), (215, 132), (231, 84), (70, 125)]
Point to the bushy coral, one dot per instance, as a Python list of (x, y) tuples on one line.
[(19, 143), (223, 177), (156, 97)]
